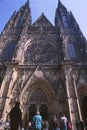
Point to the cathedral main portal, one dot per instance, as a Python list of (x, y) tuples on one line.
[(38, 101), (40, 97)]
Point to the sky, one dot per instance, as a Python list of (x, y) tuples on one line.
[(48, 7)]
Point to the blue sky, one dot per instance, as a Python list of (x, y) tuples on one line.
[(48, 7)]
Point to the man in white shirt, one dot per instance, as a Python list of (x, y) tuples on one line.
[(63, 122)]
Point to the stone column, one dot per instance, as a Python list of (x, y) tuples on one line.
[(71, 95), (68, 92), (77, 98), (5, 87)]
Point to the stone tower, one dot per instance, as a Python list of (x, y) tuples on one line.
[(43, 66)]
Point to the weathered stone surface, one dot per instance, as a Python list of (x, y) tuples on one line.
[(43, 66)]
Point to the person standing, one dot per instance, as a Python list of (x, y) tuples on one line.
[(78, 124), (1, 121), (63, 122), (37, 121), (45, 124), (82, 125), (86, 124), (16, 117), (69, 125), (29, 125), (54, 123)]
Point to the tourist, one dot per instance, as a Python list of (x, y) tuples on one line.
[(54, 123), (78, 124), (7, 125), (81, 124), (45, 124), (16, 117), (86, 123), (63, 122), (37, 121), (1, 121), (29, 125), (69, 125)]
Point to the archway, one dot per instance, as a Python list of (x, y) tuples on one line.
[(38, 102), (39, 94)]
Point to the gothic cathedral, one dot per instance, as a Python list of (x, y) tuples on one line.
[(43, 66)]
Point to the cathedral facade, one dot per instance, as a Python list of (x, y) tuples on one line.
[(43, 66)]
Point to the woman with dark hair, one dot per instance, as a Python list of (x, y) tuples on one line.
[(69, 125), (54, 122)]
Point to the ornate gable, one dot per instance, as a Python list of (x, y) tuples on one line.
[(42, 21), (42, 26)]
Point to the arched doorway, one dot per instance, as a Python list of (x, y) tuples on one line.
[(40, 96), (84, 107), (38, 102)]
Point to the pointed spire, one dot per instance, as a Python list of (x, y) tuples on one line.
[(26, 5), (61, 6), (58, 1), (28, 2)]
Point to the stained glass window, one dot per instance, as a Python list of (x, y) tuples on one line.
[(10, 50), (71, 50)]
